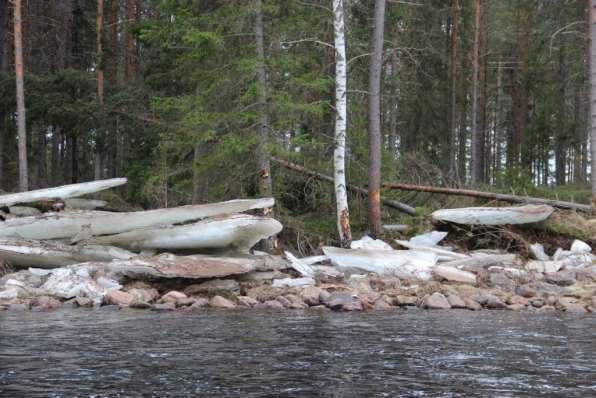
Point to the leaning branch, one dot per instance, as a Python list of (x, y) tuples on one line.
[(490, 195), (354, 188)]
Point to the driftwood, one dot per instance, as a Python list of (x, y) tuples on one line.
[(63, 192), (94, 223), (494, 215), (354, 188), (84, 204), (29, 253), (494, 196), (193, 267), (239, 232)]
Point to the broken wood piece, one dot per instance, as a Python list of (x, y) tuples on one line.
[(453, 274), (302, 268), (62, 192), (314, 259), (369, 243), (68, 225), (481, 261), (428, 239), (394, 204), (443, 254), (400, 263), (493, 196), (29, 253), (237, 232), (293, 282), (494, 215)]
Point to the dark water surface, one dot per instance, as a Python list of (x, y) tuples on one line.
[(81, 353)]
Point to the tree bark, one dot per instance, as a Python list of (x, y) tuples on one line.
[(341, 115), (132, 16), (20, 91), (374, 121), (100, 86), (593, 97), (463, 122), (404, 208), (4, 68), (265, 187), (453, 120), (490, 195), (476, 166)]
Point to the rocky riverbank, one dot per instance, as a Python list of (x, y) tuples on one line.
[(510, 285)]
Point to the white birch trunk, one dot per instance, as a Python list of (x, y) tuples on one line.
[(63, 192), (341, 114), (238, 232), (68, 225)]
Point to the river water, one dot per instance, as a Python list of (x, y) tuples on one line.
[(86, 353)]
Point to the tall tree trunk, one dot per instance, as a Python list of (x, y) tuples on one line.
[(100, 86), (476, 168), (20, 87), (132, 16), (341, 115), (4, 66), (483, 97), (593, 97), (265, 188), (453, 120), (519, 94), (42, 181), (463, 122), (560, 122), (374, 120)]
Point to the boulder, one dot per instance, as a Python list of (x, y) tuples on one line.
[(296, 302), (245, 301), (221, 302), (453, 274), (213, 287), (140, 304), (45, 303), (472, 304), (561, 278), (172, 296), (271, 305), (436, 301), (544, 266), (118, 297), (311, 295), (382, 304), (580, 247), (525, 291), (344, 302), (403, 300), (455, 301), (146, 295), (500, 280)]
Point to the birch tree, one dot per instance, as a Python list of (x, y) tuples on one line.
[(20, 86), (374, 121), (341, 114)]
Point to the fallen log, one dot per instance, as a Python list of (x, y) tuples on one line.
[(494, 196), (84, 204), (63, 192), (481, 261), (494, 215), (29, 253), (95, 223), (354, 188), (238, 232)]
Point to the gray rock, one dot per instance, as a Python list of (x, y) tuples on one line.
[(344, 302), (273, 305), (561, 278), (501, 281), (525, 291), (213, 286), (221, 302), (311, 295), (245, 301), (140, 305), (403, 300), (17, 307), (436, 301), (455, 301), (284, 301)]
